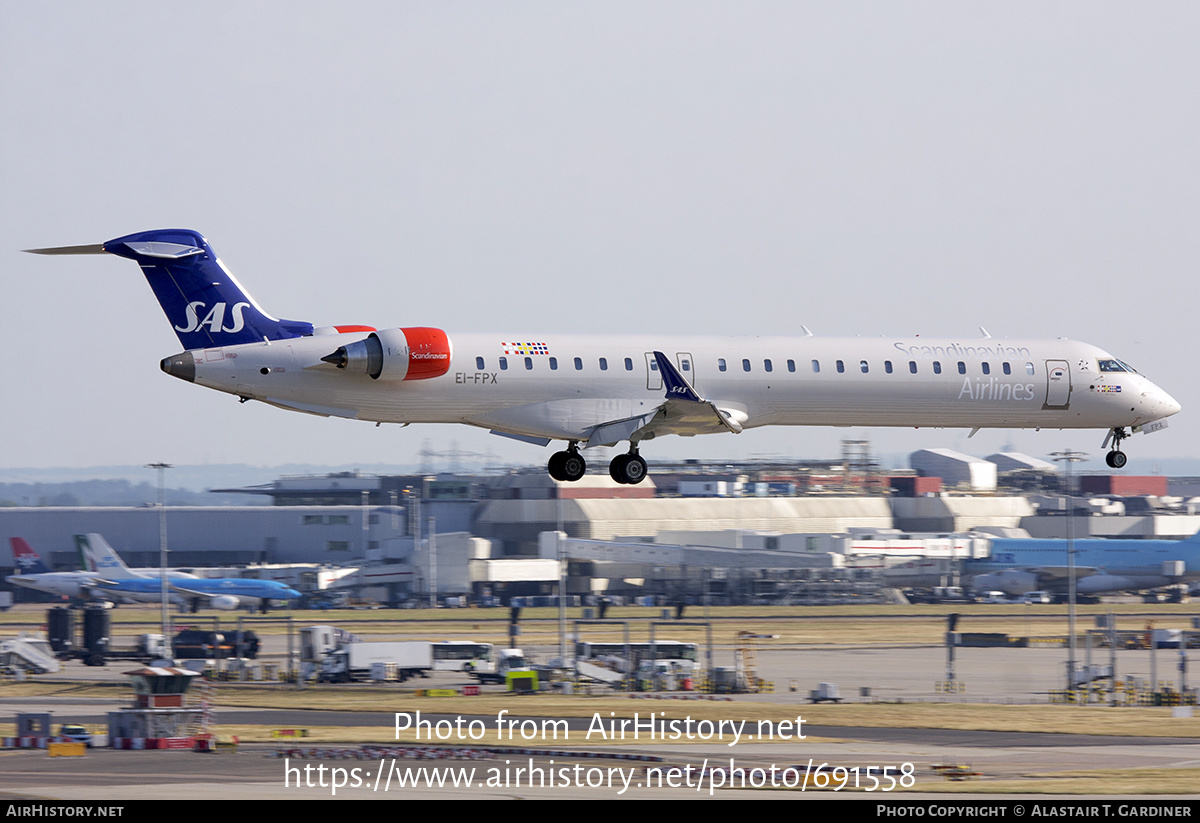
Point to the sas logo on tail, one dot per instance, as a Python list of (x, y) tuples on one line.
[(215, 319)]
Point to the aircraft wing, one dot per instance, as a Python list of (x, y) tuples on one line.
[(171, 584), (683, 412), (1063, 572)]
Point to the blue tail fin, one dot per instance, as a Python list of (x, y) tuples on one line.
[(206, 306)]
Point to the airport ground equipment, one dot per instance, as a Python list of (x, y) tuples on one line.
[(88, 640), (508, 661), (745, 660), (30, 653), (825, 693), (336, 655), (198, 644)]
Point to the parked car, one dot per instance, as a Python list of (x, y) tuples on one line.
[(1037, 597), (75, 734)]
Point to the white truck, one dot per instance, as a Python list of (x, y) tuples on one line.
[(338, 656)]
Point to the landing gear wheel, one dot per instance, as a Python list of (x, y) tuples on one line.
[(566, 466), (627, 469), (616, 468), (573, 466), (555, 465), (1115, 459)]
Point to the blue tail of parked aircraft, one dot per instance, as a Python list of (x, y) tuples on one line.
[(206, 305)]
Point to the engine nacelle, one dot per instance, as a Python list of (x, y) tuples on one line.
[(1103, 583), (396, 354), (224, 602), (1011, 582)]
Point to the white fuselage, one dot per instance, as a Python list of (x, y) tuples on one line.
[(561, 387)]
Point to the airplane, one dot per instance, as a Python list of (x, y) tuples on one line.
[(36, 575), (226, 593), (591, 390), (1018, 566)]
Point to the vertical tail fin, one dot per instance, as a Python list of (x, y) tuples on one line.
[(25, 558), (206, 305), (102, 558)]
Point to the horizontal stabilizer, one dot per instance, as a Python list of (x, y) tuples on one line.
[(94, 248)]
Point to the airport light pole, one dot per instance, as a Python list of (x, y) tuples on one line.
[(1068, 458), (162, 545)]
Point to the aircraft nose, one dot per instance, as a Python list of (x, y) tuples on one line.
[(1159, 404), (1170, 405)]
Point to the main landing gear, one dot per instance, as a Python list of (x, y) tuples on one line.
[(1116, 458), (627, 469), (568, 465)]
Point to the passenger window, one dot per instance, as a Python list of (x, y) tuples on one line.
[(685, 364), (937, 366), (479, 364), (528, 363), (887, 366), (912, 366), (767, 364), (721, 364), (553, 364), (841, 367), (1029, 368), (503, 363), (653, 365), (745, 365), (962, 367), (862, 366), (578, 364), (628, 364), (1007, 368), (987, 368), (603, 364), (816, 367), (791, 365)]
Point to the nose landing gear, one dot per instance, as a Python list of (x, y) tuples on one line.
[(1116, 458)]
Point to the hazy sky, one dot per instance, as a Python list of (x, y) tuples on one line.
[(740, 168)]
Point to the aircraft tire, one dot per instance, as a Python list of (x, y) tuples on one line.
[(573, 466), (634, 470), (1116, 460), (555, 465), (616, 469)]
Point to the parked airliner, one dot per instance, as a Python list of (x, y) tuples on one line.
[(1019, 566), (599, 391), (116, 580), (36, 575)]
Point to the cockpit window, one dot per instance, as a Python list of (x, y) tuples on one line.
[(1114, 365)]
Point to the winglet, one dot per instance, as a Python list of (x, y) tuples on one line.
[(676, 385)]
